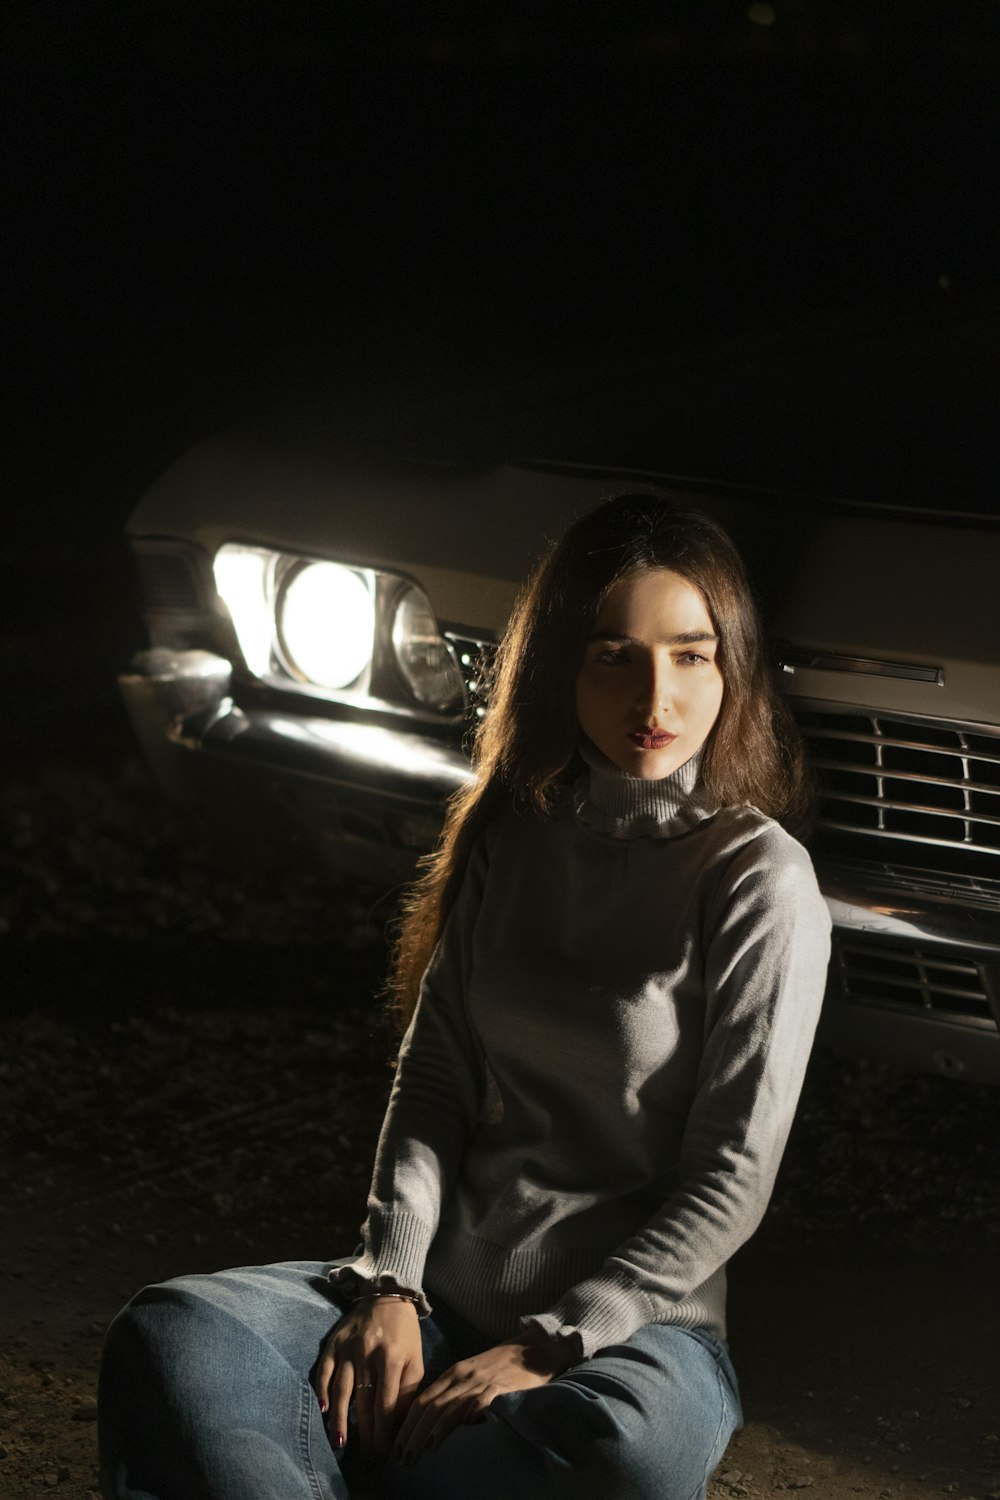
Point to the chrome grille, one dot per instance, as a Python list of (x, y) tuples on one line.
[(891, 976), (928, 791), (918, 796), (474, 655)]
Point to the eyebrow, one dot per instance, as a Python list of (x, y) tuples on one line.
[(686, 638)]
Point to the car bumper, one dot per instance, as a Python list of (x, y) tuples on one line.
[(915, 977), (369, 798)]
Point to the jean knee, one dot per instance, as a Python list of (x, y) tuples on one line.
[(636, 1422), (171, 1341), (576, 1435)]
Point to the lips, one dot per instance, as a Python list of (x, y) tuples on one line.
[(652, 739)]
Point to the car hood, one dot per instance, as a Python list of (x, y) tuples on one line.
[(887, 585)]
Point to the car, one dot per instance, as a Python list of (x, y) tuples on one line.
[(320, 627)]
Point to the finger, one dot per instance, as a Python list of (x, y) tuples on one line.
[(409, 1389), (480, 1405), (386, 1394), (453, 1414), (423, 1418), (415, 1408), (322, 1376), (341, 1389), (364, 1408)]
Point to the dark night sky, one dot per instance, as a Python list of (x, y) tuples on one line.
[(208, 202)]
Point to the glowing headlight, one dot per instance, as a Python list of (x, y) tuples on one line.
[(244, 578), (425, 659), (329, 629), (326, 624), (309, 622)]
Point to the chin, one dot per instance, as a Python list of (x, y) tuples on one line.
[(651, 765), (650, 772)]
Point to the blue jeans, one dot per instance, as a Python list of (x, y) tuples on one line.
[(205, 1395)]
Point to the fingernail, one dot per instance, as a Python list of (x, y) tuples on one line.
[(338, 1440), (323, 1406)]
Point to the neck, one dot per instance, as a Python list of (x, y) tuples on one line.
[(610, 801)]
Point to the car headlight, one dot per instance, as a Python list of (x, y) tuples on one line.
[(325, 619), (424, 657), (244, 577), (336, 631)]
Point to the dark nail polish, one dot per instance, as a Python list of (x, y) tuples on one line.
[(323, 1407), (338, 1440)]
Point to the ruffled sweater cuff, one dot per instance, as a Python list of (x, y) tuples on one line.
[(395, 1250), (606, 1308)]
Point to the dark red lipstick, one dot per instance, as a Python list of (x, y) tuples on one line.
[(652, 739)]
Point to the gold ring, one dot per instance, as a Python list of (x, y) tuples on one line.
[(368, 1385)]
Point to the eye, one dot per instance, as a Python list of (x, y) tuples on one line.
[(692, 659), (612, 657)]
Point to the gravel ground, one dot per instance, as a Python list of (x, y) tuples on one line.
[(192, 1074)]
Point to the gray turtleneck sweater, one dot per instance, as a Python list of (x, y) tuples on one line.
[(595, 1091)]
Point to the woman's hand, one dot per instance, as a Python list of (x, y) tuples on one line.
[(463, 1393), (374, 1355)]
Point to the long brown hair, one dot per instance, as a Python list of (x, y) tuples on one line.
[(525, 749)]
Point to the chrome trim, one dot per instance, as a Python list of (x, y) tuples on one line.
[(958, 814), (885, 883), (991, 730), (889, 749), (970, 786), (344, 752), (925, 746), (907, 838), (914, 917), (790, 657)]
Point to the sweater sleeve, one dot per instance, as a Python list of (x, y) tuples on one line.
[(433, 1108), (767, 951)]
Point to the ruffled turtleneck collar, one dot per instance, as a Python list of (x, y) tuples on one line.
[(629, 807)]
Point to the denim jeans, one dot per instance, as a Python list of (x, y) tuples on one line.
[(205, 1395)]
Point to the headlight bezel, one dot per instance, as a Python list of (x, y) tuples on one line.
[(381, 686)]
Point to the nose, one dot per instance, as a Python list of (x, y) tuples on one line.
[(655, 688)]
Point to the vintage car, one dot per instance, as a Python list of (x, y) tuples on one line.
[(319, 624)]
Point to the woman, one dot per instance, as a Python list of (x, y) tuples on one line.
[(612, 970)]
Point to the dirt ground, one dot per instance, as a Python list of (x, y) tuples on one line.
[(192, 1072)]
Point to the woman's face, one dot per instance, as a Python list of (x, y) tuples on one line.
[(650, 689)]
